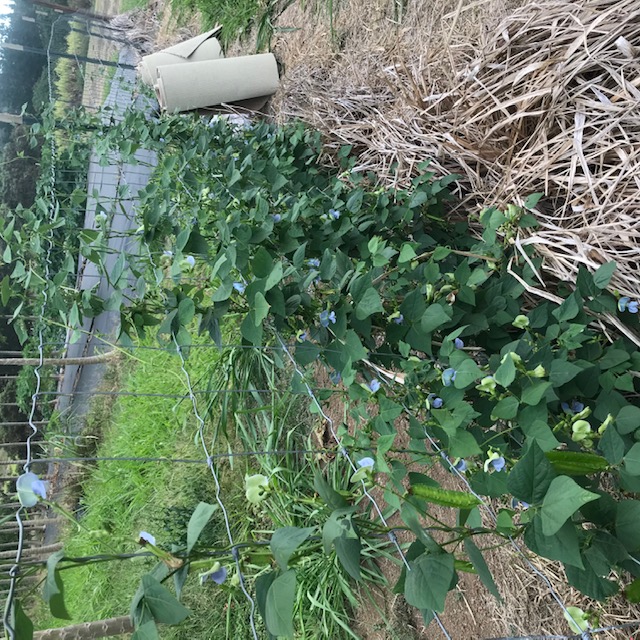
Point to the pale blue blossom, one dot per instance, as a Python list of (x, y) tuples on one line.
[(146, 538), (458, 343), (327, 317), (239, 287), (448, 376), (374, 385)]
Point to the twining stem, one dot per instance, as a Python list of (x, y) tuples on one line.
[(428, 254)]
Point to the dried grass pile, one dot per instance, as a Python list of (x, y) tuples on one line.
[(548, 101)]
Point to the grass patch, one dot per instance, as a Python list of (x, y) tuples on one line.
[(69, 81), (120, 498), (237, 17), (130, 5)]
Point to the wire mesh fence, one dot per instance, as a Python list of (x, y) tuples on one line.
[(53, 437)]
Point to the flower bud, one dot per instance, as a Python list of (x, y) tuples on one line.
[(538, 372), (521, 322)]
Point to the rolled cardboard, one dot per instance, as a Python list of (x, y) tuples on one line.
[(208, 83), (198, 49)]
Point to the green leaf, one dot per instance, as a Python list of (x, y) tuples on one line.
[(628, 419), (198, 521), (612, 445), (262, 585), (562, 545), (564, 497), (162, 604), (223, 292), (533, 393), (506, 409), (602, 276), (428, 582), (53, 591), (407, 253), (632, 592), (569, 309), (467, 373), (348, 552), (369, 304), (628, 524), (591, 580), (250, 330), (434, 317), (354, 203), (612, 358), (354, 347), (274, 277), (562, 372), (480, 565), (146, 631), (285, 541), (260, 309), (262, 263), (186, 311), (505, 373), (530, 478), (279, 605), (23, 626), (632, 459), (339, 523), (532, 200), (328, 494)]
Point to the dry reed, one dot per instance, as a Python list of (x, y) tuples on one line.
[(548, 100)]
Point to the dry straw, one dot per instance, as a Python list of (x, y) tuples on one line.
[(548, 100)]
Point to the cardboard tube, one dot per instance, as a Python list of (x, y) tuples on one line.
[(209, 49), (182, 87)]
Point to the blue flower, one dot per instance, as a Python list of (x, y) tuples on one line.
[(190, 260), (633, 307), (39, 487), (335, 214), (239, 287), (313, 262), (327, 317), (302, 335), (366, 463), (623, 302), (497, 463), (461, 465), (167, 254), (30, 488), (374, 385), (217, 574), (458, 343), (276, 217), (335, 377), (437, 403), (515, 502), (576, 407), (399, 319), (448, 376), (146, 538)]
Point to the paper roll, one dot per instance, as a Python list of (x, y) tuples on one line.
[(182, 87), (198, 49)]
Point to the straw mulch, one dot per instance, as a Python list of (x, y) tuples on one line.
[(548, 101)]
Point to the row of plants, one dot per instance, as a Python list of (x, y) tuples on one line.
[(528, 400)]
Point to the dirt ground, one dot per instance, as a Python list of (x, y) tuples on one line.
[(471, 612)]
